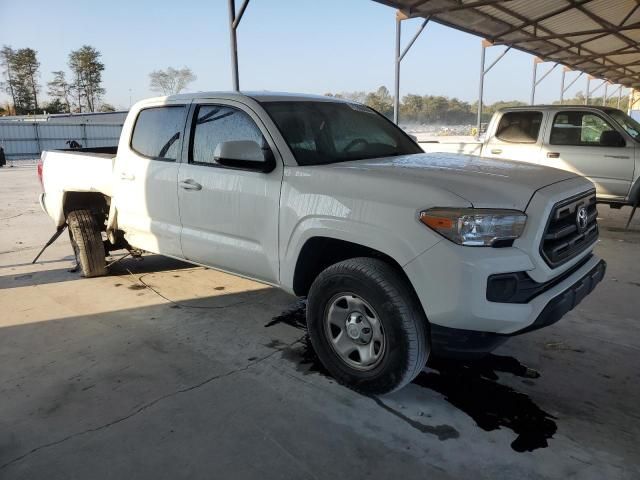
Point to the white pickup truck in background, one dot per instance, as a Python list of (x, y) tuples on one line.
[(400, 253), (600, 143)]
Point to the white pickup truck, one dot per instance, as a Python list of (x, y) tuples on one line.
[(600, 143), (400, 253)]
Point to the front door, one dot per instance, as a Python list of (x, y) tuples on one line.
[(577, 142), (229, 216), (145, 180)]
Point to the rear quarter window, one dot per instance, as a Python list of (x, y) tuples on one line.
[(157, 132), (519, 127)]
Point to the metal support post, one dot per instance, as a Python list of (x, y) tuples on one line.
[(604, 97), (619, 97), (481, 88), (534, 82), (396, 86), (586, 98), (234, 22), (589, 93), (483, 72), (398, 58), (564, 88)]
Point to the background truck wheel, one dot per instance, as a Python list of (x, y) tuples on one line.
[(367, 326), (87, 243)]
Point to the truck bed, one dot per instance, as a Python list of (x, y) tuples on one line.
[(79, 170)]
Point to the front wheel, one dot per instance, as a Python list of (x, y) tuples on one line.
[(367, 326), (87, 243)]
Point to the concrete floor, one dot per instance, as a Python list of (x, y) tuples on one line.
[(163, 370)]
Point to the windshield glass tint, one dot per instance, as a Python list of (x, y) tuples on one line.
[(625, 121), (327, 132)]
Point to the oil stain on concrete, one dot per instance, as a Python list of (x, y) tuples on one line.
[(470, 386)]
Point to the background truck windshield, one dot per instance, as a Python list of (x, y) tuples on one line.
[(625, 121), (327, 132)]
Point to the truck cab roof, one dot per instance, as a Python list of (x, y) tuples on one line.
[(541, 108), (260, 96)]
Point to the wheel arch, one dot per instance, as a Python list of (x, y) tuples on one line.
[(319, 252), (94, 201)]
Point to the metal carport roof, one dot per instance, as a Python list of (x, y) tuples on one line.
[(599, 37)]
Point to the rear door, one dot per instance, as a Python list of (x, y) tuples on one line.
[(229, 215), (146, 175), (576, 142), (517, 136)]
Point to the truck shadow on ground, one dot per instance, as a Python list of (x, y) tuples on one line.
[(151, 264), (470, 386)]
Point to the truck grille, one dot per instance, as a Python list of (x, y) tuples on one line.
[(572, 228)]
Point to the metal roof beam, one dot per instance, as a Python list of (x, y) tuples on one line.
[(628, 15), (603, 23), (582, 58), (563, 37)]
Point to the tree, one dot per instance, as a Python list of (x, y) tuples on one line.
[(381, 101), (60, 90), (6, 60), (171, 80), (87, 70), (56, 106), (27, 66), (21, 78)]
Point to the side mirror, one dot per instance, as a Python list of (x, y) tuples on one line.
[(245, 154), (612, 138)]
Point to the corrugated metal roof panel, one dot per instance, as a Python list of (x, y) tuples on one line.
[(582, 34)]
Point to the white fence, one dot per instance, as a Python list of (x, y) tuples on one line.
[(26, 141)]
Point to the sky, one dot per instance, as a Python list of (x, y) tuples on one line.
[(308, 46)]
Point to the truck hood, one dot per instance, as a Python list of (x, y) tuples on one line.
[(483, 182)]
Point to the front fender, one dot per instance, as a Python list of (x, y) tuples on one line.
[(403, 245)]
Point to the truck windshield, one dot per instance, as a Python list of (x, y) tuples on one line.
[(625, 121), (319, 133)]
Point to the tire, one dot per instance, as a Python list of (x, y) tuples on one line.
[(369, 293), (87, 243)]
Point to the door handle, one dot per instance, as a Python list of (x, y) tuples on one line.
[(553, 155), (622, 157), (190, 184), (127, 176), (496, 151)]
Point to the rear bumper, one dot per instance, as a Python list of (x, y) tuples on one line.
[(463, 343)]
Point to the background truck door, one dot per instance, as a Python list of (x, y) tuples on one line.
[(229, 216), (580, 141), (145, 179), (517, 137)]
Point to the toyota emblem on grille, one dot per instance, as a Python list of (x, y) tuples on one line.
[(582, 219)]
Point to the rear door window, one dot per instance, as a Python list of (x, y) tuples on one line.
[(578, 128), (157, 132), (519, 127)]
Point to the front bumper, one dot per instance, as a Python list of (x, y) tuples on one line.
[(568, 299), (458, 343), (451, 283)]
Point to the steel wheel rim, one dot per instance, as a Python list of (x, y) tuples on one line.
[(354, 331)]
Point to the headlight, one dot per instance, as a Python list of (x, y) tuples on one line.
[(476, 227)]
